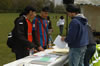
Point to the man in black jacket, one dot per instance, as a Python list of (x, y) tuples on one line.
[(91, 47), (22, 36)]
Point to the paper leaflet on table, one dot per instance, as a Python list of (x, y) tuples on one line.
[(59, 43), (44, 60)]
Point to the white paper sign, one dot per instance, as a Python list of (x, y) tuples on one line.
[(59, 43)]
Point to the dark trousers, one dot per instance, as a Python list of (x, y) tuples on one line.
[(89, 53), (61, 29), (21, 54)]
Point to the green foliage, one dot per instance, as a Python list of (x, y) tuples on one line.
[(51, 7), (19, 5), (13, 5), (5, 4), (39, 5), (59, 9)]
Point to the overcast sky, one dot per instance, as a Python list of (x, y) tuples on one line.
[(58, 1)]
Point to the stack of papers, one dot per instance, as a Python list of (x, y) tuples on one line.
[(39, 62), (61, 50), (60, 46), (44, 60)]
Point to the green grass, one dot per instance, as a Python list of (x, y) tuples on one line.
[(7, 24), (55, 27)]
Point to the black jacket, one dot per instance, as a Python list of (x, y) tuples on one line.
[(20, 35), (91, 37), (49, 24)]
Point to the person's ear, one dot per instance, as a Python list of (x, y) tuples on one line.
[(30, 12)]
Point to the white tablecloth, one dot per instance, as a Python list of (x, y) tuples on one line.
[(58, 62)]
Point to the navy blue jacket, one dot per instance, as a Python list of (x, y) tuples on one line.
[(78, 33)]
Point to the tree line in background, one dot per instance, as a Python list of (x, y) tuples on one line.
[(19, 5)]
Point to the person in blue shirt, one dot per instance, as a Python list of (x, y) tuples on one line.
[(77, 37), (40, 26)]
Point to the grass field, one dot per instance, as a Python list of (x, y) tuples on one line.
[(6, 25)]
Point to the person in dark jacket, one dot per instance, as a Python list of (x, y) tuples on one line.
[(22, 34), (49, 22), (77, 37), (91, 47), (50, 30)]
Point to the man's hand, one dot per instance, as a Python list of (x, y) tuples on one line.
[(41, 49), (34, 50)]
